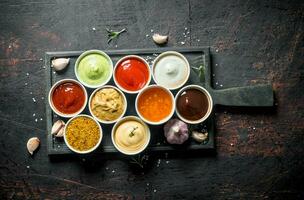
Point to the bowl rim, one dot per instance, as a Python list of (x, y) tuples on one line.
[(85, 53), (163, 120), (118, 90), (51, 91), (93, 148), (126, 118), (139, 58), (173, 53), (210, 101)]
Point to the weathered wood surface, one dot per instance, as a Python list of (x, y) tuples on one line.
[(259, 151)]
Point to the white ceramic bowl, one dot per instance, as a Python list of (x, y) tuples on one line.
[(87, 151), (95, 52), (124, 58), (127, 118), (167, 53), (210, 103), (163, 120), (51, 101), (120, 92)]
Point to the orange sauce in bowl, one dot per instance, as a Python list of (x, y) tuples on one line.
[(155, 104)]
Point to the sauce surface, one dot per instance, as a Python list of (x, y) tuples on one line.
[(68, 98), (82, 133), (155, 104), (132, 74), (192, 104), (171, 71), (107, 104), (94, 69), (130, 136)]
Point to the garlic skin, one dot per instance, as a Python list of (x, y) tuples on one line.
[(160, 39), (60, 132), (58, 128), (199, 137), (176, 131), (60, 63), (32, 144)]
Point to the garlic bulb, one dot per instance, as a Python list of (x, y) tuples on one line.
[(160, 39), (58, 128), (199, 137), (32, 144), (60, 63), (176, 131)]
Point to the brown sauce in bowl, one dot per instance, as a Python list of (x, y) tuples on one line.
[(192, 104)]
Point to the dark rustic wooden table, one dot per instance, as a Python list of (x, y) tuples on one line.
[(259, 151)]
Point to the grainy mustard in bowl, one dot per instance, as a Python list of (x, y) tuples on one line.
[(82, 134)]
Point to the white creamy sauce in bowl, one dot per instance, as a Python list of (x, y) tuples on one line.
[(171, 70)]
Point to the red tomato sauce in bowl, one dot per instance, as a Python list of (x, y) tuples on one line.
[(68, 98), (132, 73)]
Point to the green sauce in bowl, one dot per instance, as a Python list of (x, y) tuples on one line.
[(94, 68)]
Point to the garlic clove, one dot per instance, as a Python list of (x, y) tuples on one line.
[(199, 137), (32, 144), (60, 132), (160, 39), (60, 63), (57, 127)]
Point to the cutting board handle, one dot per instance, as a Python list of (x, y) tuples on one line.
[(253, 96)]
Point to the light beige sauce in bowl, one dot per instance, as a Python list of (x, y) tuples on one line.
[(131, 136)]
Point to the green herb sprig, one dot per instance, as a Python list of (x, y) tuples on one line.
[(139, 160), (131, 134), (201, 72), (114, 34)]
